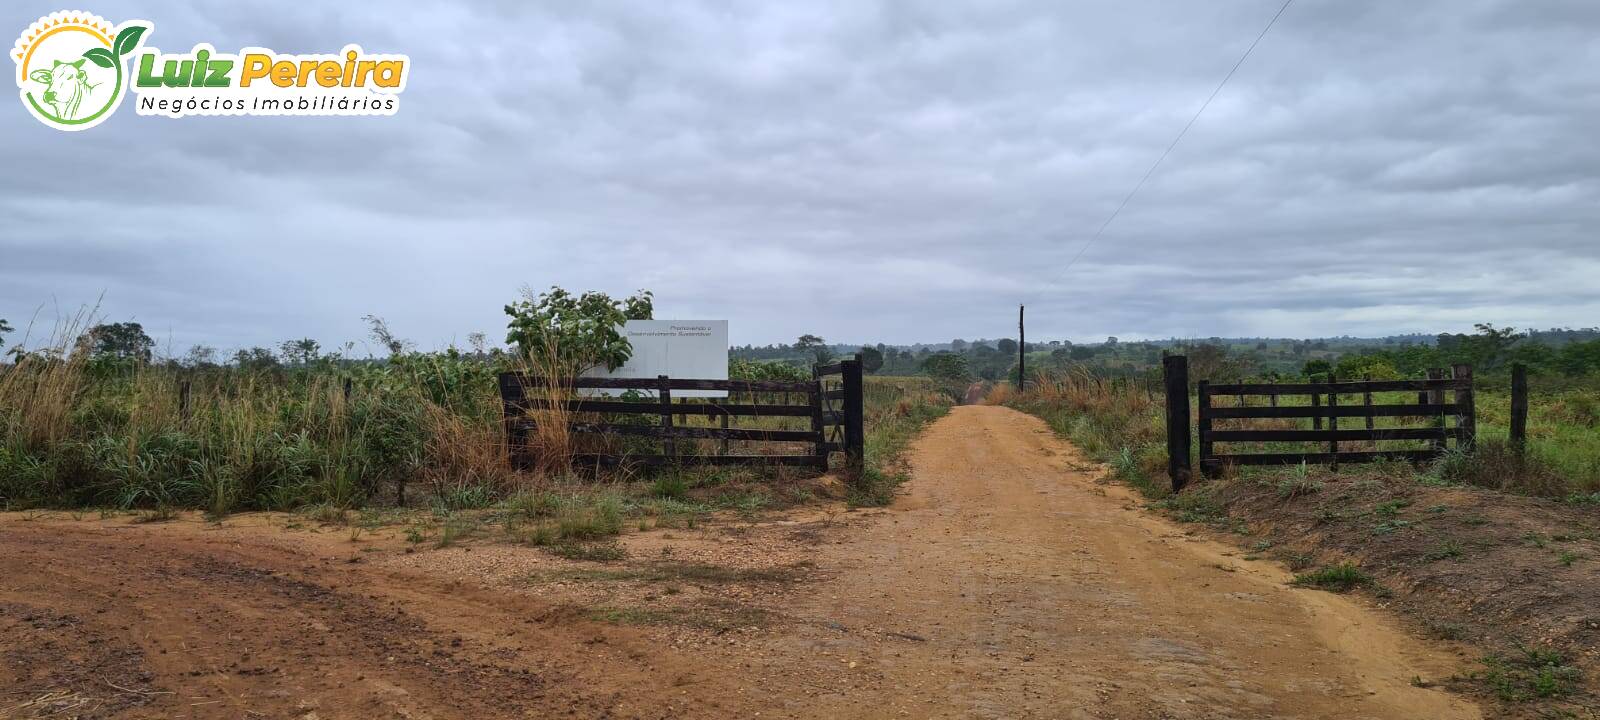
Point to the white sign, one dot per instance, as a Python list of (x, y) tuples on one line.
[(679, 349)]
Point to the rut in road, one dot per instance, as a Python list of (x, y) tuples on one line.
[(1026, 589)]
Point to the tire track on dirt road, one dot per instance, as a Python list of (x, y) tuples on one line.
[(1007, 583), (173, 622)]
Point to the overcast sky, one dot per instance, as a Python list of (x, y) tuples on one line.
[(866, 171)]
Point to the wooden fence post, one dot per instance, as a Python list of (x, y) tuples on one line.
[(1366, 400), (817, 425), (511, 397), (1202, 401), (1333, 420), (1175, 376), (1436, 397), (854, 411), (1466, 412), (664, 391), (1519, 408), (183, 401)]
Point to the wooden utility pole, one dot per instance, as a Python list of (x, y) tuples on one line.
[(1022, 353)]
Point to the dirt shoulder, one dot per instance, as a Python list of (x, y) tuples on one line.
[(1514, 576), (1006, 582)]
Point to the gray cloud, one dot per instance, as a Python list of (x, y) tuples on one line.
[(894, 171)]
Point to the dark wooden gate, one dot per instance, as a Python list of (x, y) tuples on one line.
[(1425, 423), (1233, 413), (830, 409)]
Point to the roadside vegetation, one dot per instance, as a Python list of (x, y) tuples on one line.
[(89, 418), (1516, 535)]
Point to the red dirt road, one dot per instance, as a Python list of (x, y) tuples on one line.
[(1006, 583)]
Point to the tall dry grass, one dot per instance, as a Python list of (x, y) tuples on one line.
[(1114, 420), (78, 430)]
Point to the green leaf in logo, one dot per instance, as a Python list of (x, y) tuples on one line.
[(101, 57), (128, 39)]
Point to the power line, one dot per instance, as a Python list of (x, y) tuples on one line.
[(1175, 141)]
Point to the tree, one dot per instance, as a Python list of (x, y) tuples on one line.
[(200, 356), (947, 366), (816, 346), (256, 358), (958, 344), (1210, 361), (871, 359), (5, 327), (573, 333), (300, 352), (1006, 346), (1578, 358), (1364, 367), (122, 341), (381, 334), (1485, 349), (1316, 368)]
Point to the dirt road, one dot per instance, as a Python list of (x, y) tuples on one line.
[(1044, 594), (1005, 583)]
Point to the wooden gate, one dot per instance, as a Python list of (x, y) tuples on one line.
[(831, 411), (1231, 413)]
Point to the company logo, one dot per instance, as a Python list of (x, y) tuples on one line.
[(73, 68)]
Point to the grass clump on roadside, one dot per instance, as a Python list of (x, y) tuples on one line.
[(1298, 481), (1529, 673), (1342, 577)]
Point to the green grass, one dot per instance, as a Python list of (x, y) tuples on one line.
[(1529, 673), (1342, 577), (1447, 550), (1297, 481), (672, 486)]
